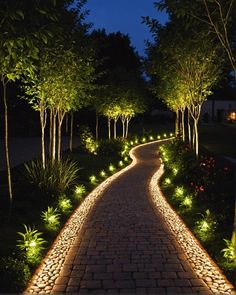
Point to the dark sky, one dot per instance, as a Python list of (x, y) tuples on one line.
[(124, 16)]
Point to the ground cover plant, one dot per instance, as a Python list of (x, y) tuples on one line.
[(202, 192), (44, 200)]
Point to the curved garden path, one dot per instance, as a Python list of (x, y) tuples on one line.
[(126, 245)]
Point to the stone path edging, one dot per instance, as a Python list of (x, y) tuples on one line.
[(46, 274), (202, 264)]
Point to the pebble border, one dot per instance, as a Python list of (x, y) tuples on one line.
[(48, 271), (202, 264)]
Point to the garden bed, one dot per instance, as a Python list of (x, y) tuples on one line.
[(202, 192)]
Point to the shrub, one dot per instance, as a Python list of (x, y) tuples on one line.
[(206, 226), (79, 191), (31, 244), (64, 204), (110, 147), (87, 140), (229, 252), (14, 275), (51, 218), (56, 178)]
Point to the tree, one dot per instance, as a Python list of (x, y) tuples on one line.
[(217, 16), (186, 69), (20, 32)]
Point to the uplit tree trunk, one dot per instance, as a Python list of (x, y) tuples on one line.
[(195, 111), (54, 131), (127, 126), (177, 123), (43, 121), (109, 127), (60, 117), (71, 130), (115, 127), (189, 131), (182, 124), (4, 82), (97, 125), (123, 126), (50, 132)]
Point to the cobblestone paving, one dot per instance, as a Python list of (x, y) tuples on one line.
[(125, 246)]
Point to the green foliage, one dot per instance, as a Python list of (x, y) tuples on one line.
[(229, 252), (56, 178), (112, 168), (87, 140), (103, 174), (51, 218), (31, 244), (110, 147), (206, 226), (14, 275), (79, 191), (64, 204), (179, 192), (93, 179)]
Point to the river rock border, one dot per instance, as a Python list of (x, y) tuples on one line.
[(202, 264), (45, 276)]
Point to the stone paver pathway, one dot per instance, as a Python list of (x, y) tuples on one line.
[(125, 246)]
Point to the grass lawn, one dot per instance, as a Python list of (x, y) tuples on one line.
[(219, 138)]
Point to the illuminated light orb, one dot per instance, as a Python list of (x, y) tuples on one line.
[(121, 163), (167, 181), (93, 179), (111, 168), (126, 159), (103, 173)]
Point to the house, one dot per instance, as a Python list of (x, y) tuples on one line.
[(218, 110)]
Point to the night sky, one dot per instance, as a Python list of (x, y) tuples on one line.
[(124, 16)]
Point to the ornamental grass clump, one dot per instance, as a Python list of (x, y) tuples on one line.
[(51, 218), (55, 178), (31, 244)]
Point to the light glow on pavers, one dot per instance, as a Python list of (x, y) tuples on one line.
[(201, 262), (48, 271)]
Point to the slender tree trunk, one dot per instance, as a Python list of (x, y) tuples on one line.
[(50, 133), (115, 128), (189, 131), (127, 127), (54, 129), (123, 127), (71, 130), (196, 137), (7, 141), (97, 126), (60, 117), (43, 121), (109, 127), (183, 125), (177, 123)]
